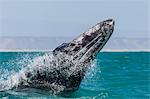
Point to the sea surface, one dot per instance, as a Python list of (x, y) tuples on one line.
[(113, 75)]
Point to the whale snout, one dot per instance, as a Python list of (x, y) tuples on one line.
[(94, 38)]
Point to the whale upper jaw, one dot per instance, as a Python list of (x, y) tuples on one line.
[(97, 38), (85, 47)]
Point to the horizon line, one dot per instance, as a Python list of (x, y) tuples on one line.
[(68, 37), (47, 50)]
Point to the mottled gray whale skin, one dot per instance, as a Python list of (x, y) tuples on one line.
[(85, 47), (82, 51)]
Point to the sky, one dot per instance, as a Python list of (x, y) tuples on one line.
[(48, 18)]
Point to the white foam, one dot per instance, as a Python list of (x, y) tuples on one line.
[(44, 64)]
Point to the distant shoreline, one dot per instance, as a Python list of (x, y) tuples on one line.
[(105, 50)]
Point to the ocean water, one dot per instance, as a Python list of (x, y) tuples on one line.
[(113, 75)]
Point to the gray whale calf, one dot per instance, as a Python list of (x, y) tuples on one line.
[(70, 61)]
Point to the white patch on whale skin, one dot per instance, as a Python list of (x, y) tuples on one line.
[(79, 39), (89, 32), (93, 29), (97, 27)]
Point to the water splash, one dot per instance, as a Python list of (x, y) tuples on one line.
[(45, 66)]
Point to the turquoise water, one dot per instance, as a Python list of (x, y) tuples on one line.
[(117, 75)]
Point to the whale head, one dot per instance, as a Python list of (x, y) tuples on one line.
[(86, 46), (82, 51)]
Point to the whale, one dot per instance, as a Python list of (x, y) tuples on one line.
[(70, 61)]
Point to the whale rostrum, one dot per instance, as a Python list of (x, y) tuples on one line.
[(69, 61)]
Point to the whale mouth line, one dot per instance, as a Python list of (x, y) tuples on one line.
[(81, 52), (96, 47), (99, 41)]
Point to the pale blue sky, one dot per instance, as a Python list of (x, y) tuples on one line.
[(72, 17)]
